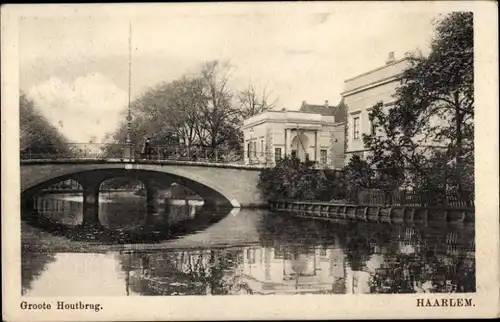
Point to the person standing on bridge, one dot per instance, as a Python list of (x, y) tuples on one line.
[(146, 149)]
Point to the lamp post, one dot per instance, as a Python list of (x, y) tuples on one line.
[(128, 152)]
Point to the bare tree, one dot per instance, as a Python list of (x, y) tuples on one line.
[(253, 101), (201, 109), (186, 105), (220, 115), (165, 109)]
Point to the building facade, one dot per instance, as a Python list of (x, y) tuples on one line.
[(361, 93), (313, 133)]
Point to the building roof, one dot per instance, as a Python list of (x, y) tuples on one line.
[(338, 112), (390, 61)]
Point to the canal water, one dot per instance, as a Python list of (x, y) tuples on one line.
[(233, 251)]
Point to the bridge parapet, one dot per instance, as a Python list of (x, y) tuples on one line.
[(118, 152)]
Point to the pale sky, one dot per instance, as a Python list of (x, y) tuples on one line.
[(75, 66)]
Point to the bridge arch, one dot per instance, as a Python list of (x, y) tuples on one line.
[(210, 195), (217, 185)]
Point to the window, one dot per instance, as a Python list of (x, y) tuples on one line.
[(249, 147), (322, 156), (356, 128), (307, 156), (255, 148), (262, 147), (294, 154), (277, 154)]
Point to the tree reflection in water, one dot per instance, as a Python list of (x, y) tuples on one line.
[(194, 272), (34, 260), (33, 264)]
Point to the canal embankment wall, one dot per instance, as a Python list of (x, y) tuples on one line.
[(373, 213)]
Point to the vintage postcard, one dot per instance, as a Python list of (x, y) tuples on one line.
[(299, 160)]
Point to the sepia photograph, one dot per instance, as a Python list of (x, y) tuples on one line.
[(196, 151)]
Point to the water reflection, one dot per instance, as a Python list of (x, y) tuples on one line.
[(253, 252), (33, 264), (123, 218), (117, 210)]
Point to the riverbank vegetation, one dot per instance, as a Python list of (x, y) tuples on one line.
[(293, 179), (36, 135)]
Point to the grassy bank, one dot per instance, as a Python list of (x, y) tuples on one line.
[(35, 239)]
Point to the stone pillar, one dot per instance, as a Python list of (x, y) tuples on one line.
[(269, 157), (316, 145), (287, 137), (128, 152), (157, 214), (152, 196), (91, 204)]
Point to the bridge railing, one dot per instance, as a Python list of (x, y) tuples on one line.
[(106, 151), (199, 154), (75, 151), (117, 151)]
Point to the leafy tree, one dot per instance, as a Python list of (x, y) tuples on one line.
[(334, 186), (38, 137), (358, 172), (431, 127)]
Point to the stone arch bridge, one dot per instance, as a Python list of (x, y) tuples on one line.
[(220, 185)]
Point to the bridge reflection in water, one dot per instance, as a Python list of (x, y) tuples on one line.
[(250, 252), (67, 209)]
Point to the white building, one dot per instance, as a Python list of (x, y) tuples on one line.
[(361, 93), (315, 132)]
